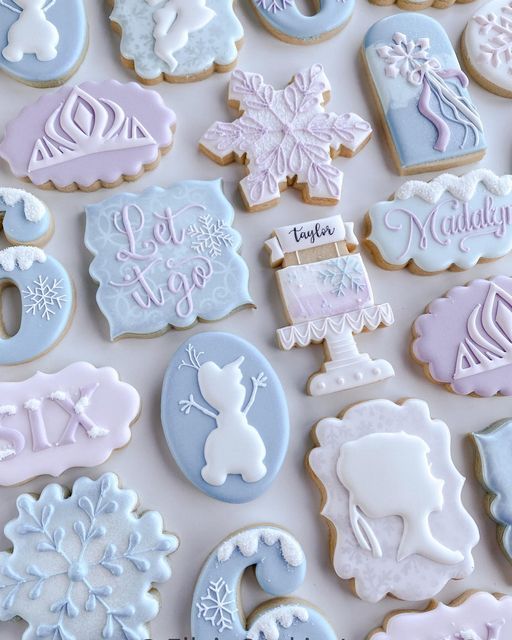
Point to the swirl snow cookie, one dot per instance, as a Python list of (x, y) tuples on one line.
[(487, 47), (284, 19), (280, 567), (225, 416), (464, 340), (84, 566), (392, 496), (177, 40), (53, 422), (166, 258), (448, 223), (89, 136), (421, 92), (43, 42), (285, 138), (328, 298), (476, 615)]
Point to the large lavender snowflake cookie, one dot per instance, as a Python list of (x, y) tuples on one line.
[(83, 566)]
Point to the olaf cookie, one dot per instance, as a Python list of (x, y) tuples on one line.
[(225, 417), (177, 40), (464, 340), (285, 20), (280, 568), (89, 136), (422, 95), (327, 296), (285, 138), (487, 47), (392, 496), (42, 42), (84, 565), (449, 223)]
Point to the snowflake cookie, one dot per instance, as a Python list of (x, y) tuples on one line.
[(286, 138), (83, 566), (280, 567)]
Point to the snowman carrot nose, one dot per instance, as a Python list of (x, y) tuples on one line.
[(240, 361)]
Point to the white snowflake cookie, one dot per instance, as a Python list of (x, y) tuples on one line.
[(286, 138), (83, 566)]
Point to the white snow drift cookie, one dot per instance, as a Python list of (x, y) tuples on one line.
[(393, 496), (83, 566)]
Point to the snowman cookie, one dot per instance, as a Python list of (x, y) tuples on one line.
[(392, 496), (43, 41)]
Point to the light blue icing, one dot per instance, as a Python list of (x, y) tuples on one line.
[(187, 432), (47, 303), (280, 568), (284, 17), (68, 16), (215, 43), (414, 135), (198, 274), (26, 219)]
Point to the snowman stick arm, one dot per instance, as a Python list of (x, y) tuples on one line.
[(188, 404), (50, 5), (256, 384), (3, 3)]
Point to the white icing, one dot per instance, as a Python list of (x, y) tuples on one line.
[(32, 32), (267, 626), (7, 410), (33, 208), (247, 542), (463, 188), (21, 257), (33, 404), (174, 22)]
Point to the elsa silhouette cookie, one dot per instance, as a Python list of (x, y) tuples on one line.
[(44, 41), (393, 498)]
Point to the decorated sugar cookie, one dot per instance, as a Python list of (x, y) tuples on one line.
[(225, 416), (177, 40), (280, 566), (487, 46), (84, 566), (166, 258), (92, 135), (24, 218), (414, 5), (422, 94), (73, 418), (476, 615), (286, 138), (448, 223), (464, 340), (43, 42), (393, 498), (328, 298), (284, 19)]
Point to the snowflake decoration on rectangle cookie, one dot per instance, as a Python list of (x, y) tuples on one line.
[(83, 566), (285, 137), (210, 236)]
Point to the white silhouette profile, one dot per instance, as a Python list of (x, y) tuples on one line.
[(234, 447), (389, 474), (32, 32), (174, 21)]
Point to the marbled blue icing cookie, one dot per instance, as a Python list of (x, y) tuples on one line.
[(166, 258), (225, 417), (177, 40), (42, 42), (280, 566), (429, 119)]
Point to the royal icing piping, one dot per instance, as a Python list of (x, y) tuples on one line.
[(285, 135), (229, 392), (422, 92), (32, 32), (33, 208), (449, 221), (465, 338), (95, 411), (83, 566), (21, 257), (394, 499), (280, 568)]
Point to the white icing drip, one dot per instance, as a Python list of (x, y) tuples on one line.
[(33, 208), (33, 404), (23, 257), (59, 395), (463, 188), (7, 410), (82, 405), (268, 624), (247, 543)]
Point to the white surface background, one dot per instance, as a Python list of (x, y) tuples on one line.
[(293, 501)]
